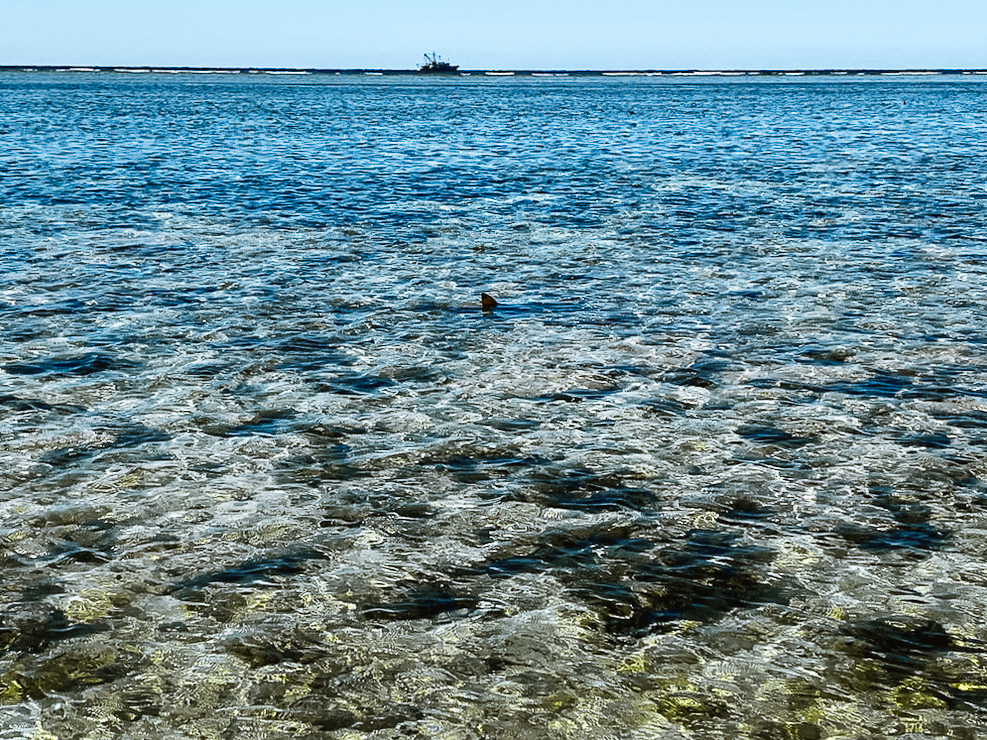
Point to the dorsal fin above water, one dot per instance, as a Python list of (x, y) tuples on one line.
[(487, 302)]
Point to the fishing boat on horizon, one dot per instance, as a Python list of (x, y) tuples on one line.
[(434, 64)]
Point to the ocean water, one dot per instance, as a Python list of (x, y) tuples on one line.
[(714, 467)]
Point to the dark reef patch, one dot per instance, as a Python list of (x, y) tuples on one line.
[(745, 509), (919, 537), (357, 384), (67, 456), (34, 634), (81, 366), (711, 574), (827, 355), (566, 553), (665, 407), (125, 437), (291, 646), (268, 421), (932, 440), (483, 464), (769, 435), (330, 462), (903, 650), (513, 425), (878, 385), (206, 369), (807, 391), (15, 404), (912, 530), (134, 435), (575, 395), (902, 644), (307, 344), (40, 590), (260, 572), (637, 586), (587, 490), (420, 602), (700, 374), (90, 542)]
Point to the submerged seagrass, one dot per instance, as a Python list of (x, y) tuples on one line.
[(713, 468)]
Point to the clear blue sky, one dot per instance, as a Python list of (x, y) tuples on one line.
[(501, 34)]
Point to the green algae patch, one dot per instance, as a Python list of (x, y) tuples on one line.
[(71, 670), (559, 702), (11, 691), (687, 708), (916, 693)]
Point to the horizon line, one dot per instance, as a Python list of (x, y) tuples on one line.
[(813, 71)]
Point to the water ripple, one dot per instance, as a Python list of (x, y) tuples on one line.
[(712, 467)]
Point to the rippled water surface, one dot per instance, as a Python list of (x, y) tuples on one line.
[(714, 467)]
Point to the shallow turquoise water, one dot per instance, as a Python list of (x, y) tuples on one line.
[(713, 467)]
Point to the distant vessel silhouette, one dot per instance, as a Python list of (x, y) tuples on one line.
[(435, 65)]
